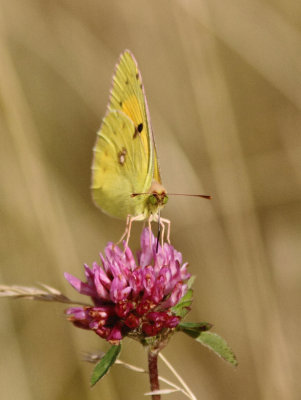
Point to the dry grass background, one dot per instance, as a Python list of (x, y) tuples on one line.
[(224, 89)]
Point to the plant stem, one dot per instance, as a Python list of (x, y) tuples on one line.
[(153, 372)]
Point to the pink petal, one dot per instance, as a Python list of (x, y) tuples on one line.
[(80, 286)]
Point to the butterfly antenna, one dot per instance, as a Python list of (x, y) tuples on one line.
[(203, 196), (159, 232)]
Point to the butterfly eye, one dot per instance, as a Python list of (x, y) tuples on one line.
[(165, 199), (153, 199)]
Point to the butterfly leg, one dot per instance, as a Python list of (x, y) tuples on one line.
[(127, 233), (149, 221), (126, 230), (162, 232), (164, 221)]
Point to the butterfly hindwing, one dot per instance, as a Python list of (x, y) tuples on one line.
[(119, 167)]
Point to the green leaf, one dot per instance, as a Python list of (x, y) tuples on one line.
[(194, 329), (103, 366), (183, 307), (218, 345)]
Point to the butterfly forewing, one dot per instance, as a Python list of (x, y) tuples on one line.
[(125, 159), (127, 95)]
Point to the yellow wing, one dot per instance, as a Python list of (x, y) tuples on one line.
[(125, 159), (119, 167)]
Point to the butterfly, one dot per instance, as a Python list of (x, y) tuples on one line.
[(126, 180)]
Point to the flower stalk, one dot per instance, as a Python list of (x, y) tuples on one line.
[(153, 372)]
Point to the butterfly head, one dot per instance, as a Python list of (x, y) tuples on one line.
[(157, 197)]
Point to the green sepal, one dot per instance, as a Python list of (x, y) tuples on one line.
[(183, 307), (194, 329), (103, 366), (218, 345), (149, 340), (191, 281)]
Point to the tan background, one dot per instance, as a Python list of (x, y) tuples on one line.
[(224, 89)]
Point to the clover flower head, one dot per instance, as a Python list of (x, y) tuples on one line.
[(132, 298)]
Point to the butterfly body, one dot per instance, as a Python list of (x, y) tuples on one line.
[(125, 172)]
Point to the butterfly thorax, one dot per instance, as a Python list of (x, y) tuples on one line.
[(157, 198)]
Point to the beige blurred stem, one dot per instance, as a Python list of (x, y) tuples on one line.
[(180, 379), (262, 36), (48, 293)]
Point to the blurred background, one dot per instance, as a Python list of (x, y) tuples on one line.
[(224, 91)]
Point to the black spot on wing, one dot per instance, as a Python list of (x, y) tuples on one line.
[(138, 129)]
